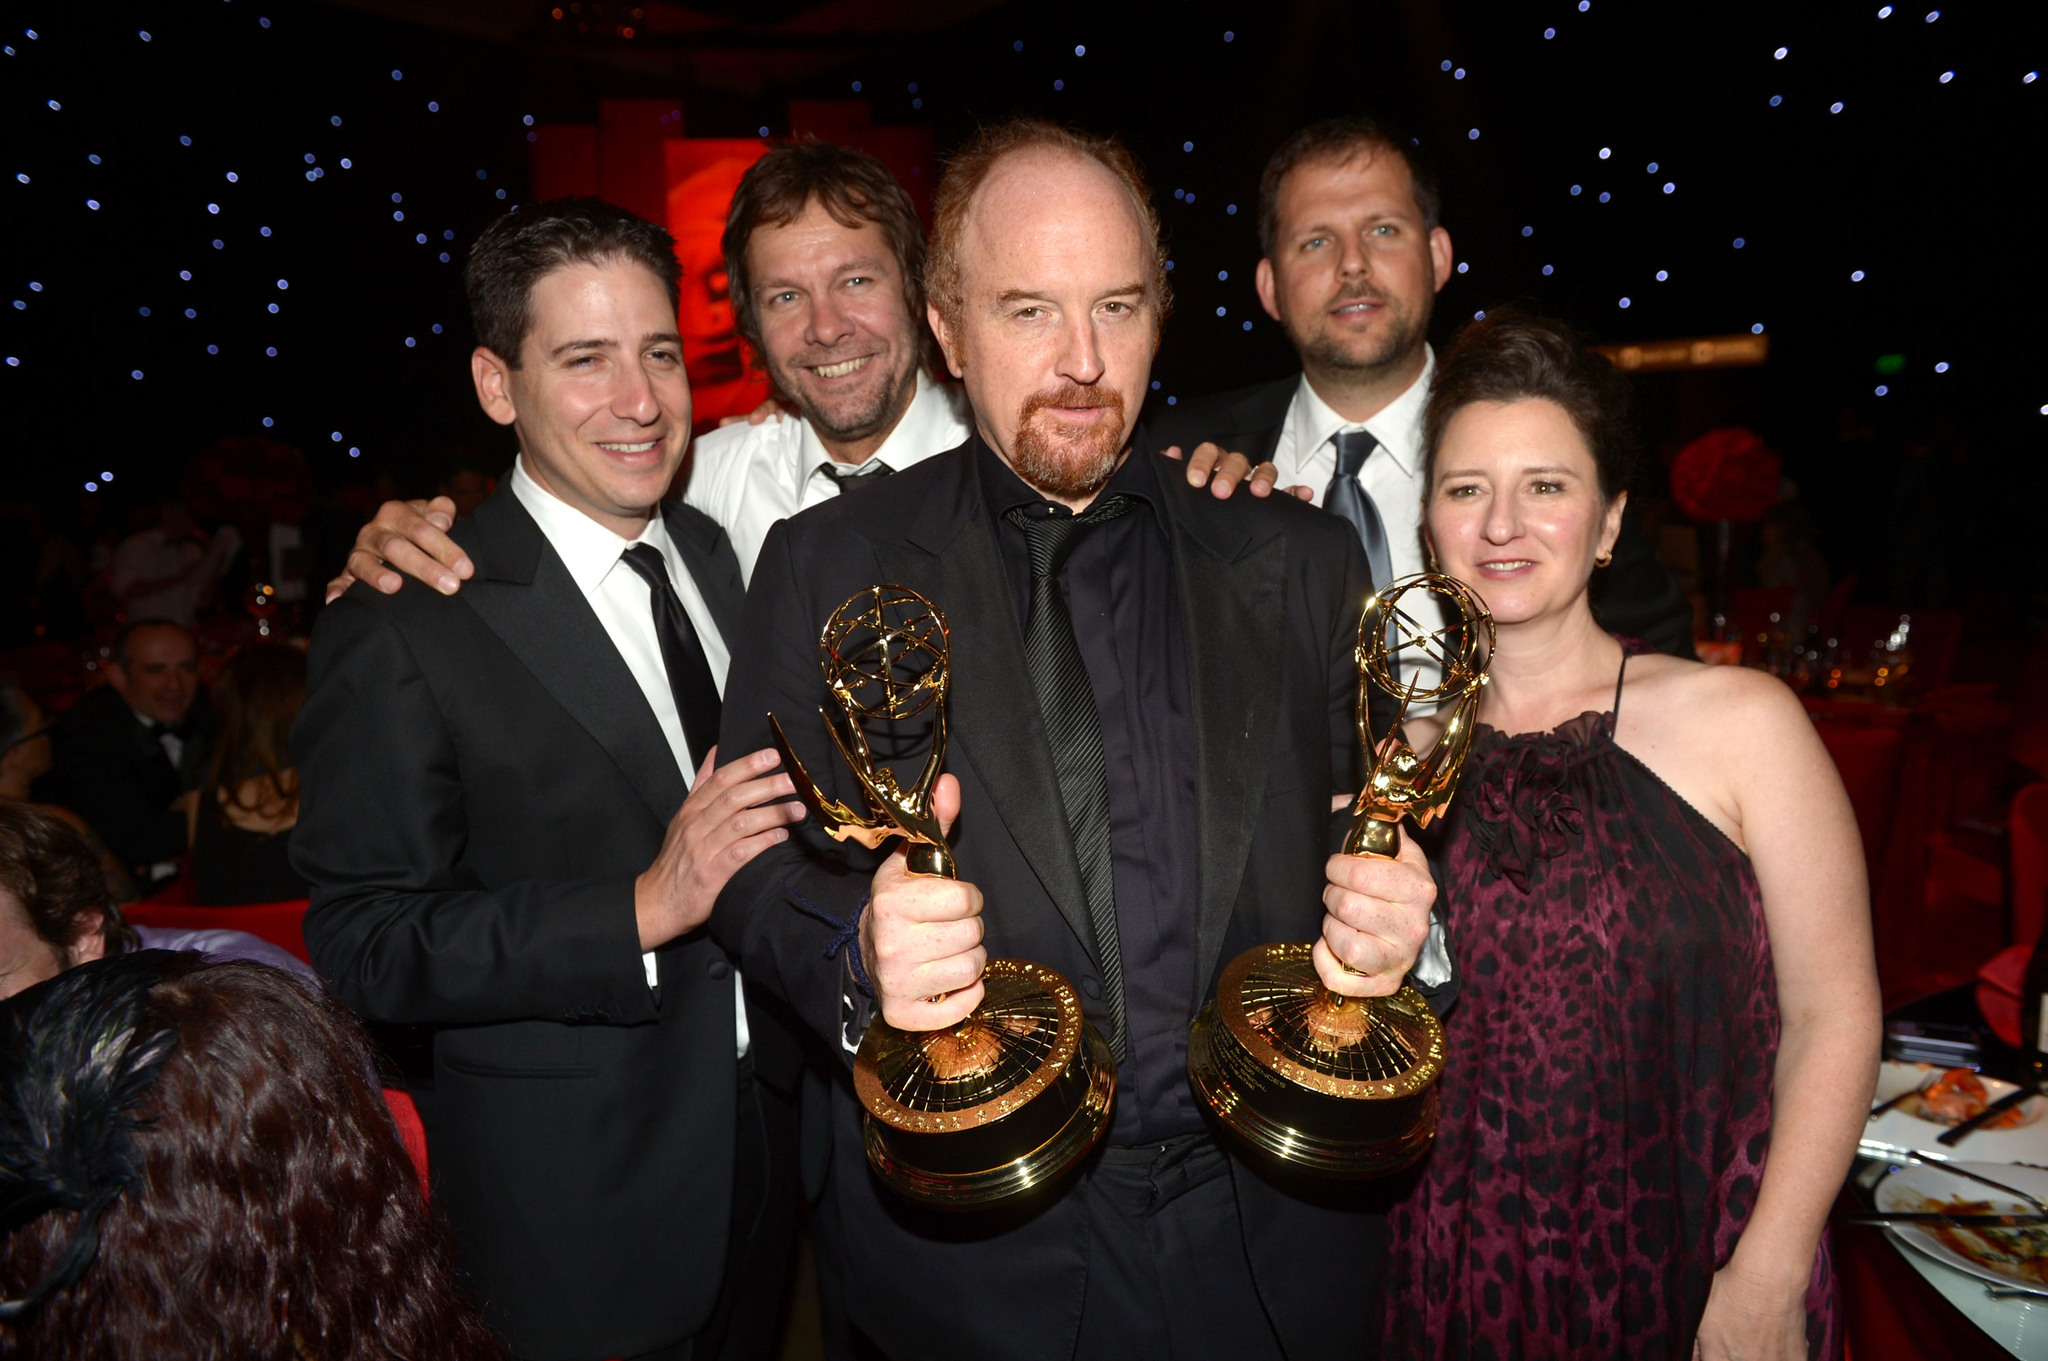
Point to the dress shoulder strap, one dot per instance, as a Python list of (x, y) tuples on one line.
[(1619, 676)]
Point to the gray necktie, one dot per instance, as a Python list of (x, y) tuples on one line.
[(1346, 498), (1073, 730)]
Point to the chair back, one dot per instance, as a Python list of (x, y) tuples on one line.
[(282, 924), (2029, 849), (411, 1132), (1867, 757)]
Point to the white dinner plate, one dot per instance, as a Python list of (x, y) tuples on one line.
[(1922, 1186), (1897, 1132)]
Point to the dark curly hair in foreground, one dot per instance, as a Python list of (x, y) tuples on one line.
[(252, 1198)]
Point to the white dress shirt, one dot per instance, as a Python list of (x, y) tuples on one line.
[(595, 557), (1392, 474), (747, 477)]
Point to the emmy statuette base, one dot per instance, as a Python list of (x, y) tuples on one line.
[(1341, 1087), (1002, 1103), (904, 1160)]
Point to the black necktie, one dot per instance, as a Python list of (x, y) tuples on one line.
[(854, 476), (1072, 727), (1346, 498), (689, 675)]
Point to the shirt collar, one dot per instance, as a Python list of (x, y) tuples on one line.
[(1397, 426), (1005, 491), (586, 548), (921, 432)]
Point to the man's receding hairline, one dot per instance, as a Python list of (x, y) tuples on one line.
[(1079, 157)]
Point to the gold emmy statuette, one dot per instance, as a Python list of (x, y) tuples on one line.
[(1015, 1094), (1346, 1086)]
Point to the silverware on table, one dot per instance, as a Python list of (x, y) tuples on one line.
[(1950, 1138), (2017, 1219)]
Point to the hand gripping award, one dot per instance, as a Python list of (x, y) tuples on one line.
[(1346, 1086), (1015, 1094)]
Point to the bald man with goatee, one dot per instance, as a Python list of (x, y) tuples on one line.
[(1216, 639)]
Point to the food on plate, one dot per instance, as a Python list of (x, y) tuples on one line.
[(1956, 1096), (2021, 1253)]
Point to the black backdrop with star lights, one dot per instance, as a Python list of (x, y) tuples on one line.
[(232, 217)]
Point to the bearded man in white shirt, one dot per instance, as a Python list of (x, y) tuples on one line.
[(825, 263)]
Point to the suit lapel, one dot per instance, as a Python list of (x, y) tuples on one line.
[(1230, 600), (1260, 417), (527, 597), (709, 556), (953, 560)]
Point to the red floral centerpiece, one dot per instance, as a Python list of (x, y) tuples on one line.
[(1725, 474)]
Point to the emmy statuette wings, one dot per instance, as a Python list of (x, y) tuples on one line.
[(1334, 1085), (1014, 1095)]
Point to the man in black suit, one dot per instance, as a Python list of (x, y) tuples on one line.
[(127, 757), (1353, 257), (506, 842), (1177, 812)]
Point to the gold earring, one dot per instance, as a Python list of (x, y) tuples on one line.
[(1604, 559)]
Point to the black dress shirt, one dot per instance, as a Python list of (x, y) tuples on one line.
[(1125, 604)]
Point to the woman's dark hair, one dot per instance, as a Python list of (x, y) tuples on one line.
[(256, 697), (1511, 356), (855, 189), (527, 243), (55, 872), (253, 1197)]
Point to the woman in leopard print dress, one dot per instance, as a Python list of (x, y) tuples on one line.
[(1668, 1026)]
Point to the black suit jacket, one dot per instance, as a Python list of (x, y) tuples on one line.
[(1635, 595), (1270, 593), (483, 780), (113, 772)]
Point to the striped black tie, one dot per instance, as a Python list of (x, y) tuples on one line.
[(1072, 728)]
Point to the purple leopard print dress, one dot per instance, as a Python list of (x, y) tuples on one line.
[(1607, 1100)]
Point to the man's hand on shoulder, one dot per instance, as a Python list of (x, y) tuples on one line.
[(921, 937), (1222, 471), (733, 814), (1376, 920), (411, 537)]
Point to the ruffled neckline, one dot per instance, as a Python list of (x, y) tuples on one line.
[(1586, 730), (1521, 813)]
